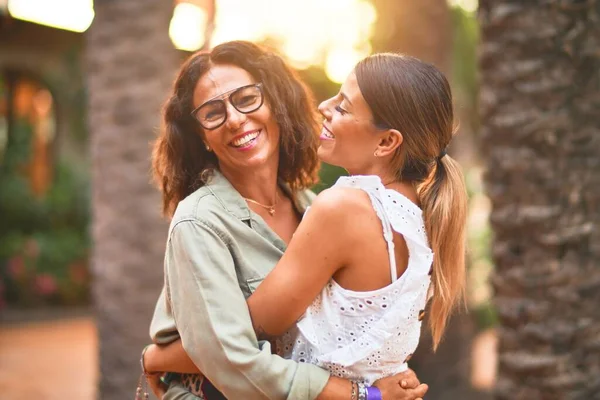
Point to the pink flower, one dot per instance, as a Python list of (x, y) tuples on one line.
[(45, 284)]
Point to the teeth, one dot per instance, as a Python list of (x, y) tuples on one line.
[(244, 139), (327, 134)]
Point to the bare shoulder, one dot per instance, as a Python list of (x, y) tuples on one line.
[(337, 203), (342, 216)]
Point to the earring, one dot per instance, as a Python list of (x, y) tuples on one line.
[(207, 147)]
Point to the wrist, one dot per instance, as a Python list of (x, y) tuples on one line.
[(146, 368), (364, 392)]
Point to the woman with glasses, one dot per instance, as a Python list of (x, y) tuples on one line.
[(234, 160)]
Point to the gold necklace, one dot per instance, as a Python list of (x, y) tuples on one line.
[(270, 209)]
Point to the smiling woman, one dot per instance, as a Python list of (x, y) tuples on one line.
[(234, 160), (240, 132), (207, 119)]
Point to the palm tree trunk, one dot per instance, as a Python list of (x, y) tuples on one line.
[(130, 66), (540, 103)]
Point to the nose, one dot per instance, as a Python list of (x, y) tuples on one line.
[(235, 119), (325, 109)]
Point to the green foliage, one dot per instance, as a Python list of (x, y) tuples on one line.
[(328, 174), (44, 241), (465, 77), (464, 55)]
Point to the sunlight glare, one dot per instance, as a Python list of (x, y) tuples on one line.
[(334, 33), (340, 62), (187, 26), (71, 15), (467, 5)]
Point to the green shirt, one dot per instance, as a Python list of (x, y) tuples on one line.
[(218, 251)]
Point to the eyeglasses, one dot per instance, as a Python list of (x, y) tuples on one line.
[(245, 99)]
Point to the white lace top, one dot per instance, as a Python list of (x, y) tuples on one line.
[(369, 335)]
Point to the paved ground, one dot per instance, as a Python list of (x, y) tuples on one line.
[(48, 360)]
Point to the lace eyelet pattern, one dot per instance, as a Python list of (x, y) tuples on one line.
[(365, 336)]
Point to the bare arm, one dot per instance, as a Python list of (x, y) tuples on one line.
[(174, 356), (169, 357), (319, 248), (212, 319), (404, 386)]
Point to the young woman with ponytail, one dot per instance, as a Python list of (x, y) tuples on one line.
[(350, 292)]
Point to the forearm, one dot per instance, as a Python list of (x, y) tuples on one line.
[(336, 389), (215, 327), (171, 357)]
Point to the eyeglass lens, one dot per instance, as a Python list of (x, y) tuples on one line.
[(245, 99)]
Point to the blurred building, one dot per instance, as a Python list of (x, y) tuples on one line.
[(43, 161), (41, 84)]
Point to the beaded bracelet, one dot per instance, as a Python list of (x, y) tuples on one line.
[(141, 392), (354, 393), (362, 391)]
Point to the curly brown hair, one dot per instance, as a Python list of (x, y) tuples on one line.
[(180, 161)]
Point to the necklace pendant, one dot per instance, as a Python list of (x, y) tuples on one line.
[(271, 211)]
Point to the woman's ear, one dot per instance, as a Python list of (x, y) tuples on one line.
[(389, 142)]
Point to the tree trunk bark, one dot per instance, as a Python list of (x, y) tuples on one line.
[(540, 102), (131, 64)]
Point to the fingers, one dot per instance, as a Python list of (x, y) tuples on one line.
[(416, 393), (410, 374), (409, 383), (419, 392), (408, 379)]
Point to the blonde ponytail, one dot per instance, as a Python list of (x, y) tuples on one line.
[(443, 198), (415, 98)]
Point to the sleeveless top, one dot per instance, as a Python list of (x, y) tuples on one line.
[(365, 336)]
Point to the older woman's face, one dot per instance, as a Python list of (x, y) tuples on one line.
[(243, 141)]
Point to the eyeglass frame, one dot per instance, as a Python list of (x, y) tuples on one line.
[(228, 95)]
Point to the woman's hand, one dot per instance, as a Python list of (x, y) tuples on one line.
[(403, 386)]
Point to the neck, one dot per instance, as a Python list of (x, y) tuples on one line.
[(385, 176), (258, 184), (390, 180)]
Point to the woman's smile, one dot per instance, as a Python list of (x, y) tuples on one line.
[(247, 140), (326, 134)]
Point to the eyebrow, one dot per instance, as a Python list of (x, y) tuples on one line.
[(345, 98)]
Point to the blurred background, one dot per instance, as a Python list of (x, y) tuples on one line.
[(81, 237)]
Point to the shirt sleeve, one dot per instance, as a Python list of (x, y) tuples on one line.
[(214, 323)]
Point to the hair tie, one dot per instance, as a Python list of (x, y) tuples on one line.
[(442, 154)]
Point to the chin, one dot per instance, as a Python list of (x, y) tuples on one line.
[(326, 156), (259, 159)]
